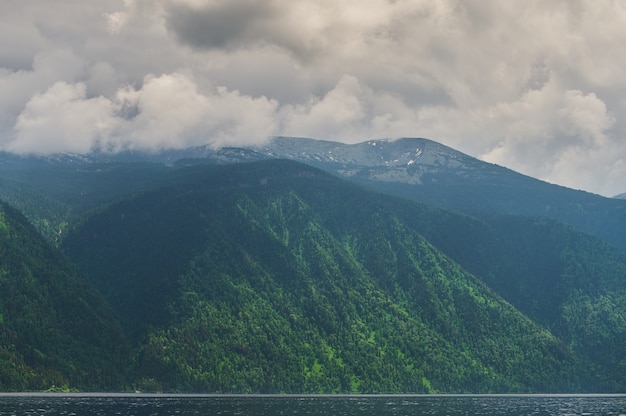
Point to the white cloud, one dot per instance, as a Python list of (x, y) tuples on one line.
[(171, 112), (349, 112), (168, 111), (546, 128), (62, 120), (17, 87)]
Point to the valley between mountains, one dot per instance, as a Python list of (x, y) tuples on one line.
[(306, 267)]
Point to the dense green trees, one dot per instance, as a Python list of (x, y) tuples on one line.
[(276, 277), (56, 332)]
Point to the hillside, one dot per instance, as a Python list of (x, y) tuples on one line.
[(54, 191), (147, 230), (56, 332), (567, 281), (429, 172), (276, 277)]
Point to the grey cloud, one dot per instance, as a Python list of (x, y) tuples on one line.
[(539, 76), (102, 80), (17, 55), (536, 86), (228, 24), (266, 71)]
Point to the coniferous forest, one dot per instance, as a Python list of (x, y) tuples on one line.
[(275, 276)]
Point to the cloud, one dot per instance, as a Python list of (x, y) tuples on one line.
[(551, 118), (26, 41), (168, 111), (536, 86), (349, 112), (17, 87), (220, 24), (560, 135), (62, 120)]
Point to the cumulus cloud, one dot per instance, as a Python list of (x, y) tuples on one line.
[(350, 112), (535, 86), (547, 123), (62, 120), (561, 135), (167, 111)]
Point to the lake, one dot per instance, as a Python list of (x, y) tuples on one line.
[(273, 405)]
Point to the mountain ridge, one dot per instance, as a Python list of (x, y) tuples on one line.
[(427, 171), (418, 169)]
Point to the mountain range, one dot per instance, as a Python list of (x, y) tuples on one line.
[(429, 172), (378, 267), (416, 169)]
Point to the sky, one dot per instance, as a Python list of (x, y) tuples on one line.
[(536, 86)]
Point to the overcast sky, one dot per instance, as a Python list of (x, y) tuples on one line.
[(536, 86)]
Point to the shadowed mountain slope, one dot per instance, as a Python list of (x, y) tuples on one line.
[(55, 330)]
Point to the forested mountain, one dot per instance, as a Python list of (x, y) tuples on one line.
[(215, 275), (570, 282), (56, 332), (427, 171), (55, 191), (277, 277)]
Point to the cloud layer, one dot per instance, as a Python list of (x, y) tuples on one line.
[(534, 86)]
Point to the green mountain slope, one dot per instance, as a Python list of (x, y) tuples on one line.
[(55, 331), (275, 277), (570, 282)]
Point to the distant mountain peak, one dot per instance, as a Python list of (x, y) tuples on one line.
[(401, 152)]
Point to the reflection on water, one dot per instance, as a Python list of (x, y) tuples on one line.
[(266, 405)]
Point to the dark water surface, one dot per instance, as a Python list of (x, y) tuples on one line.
[(440, 405)]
